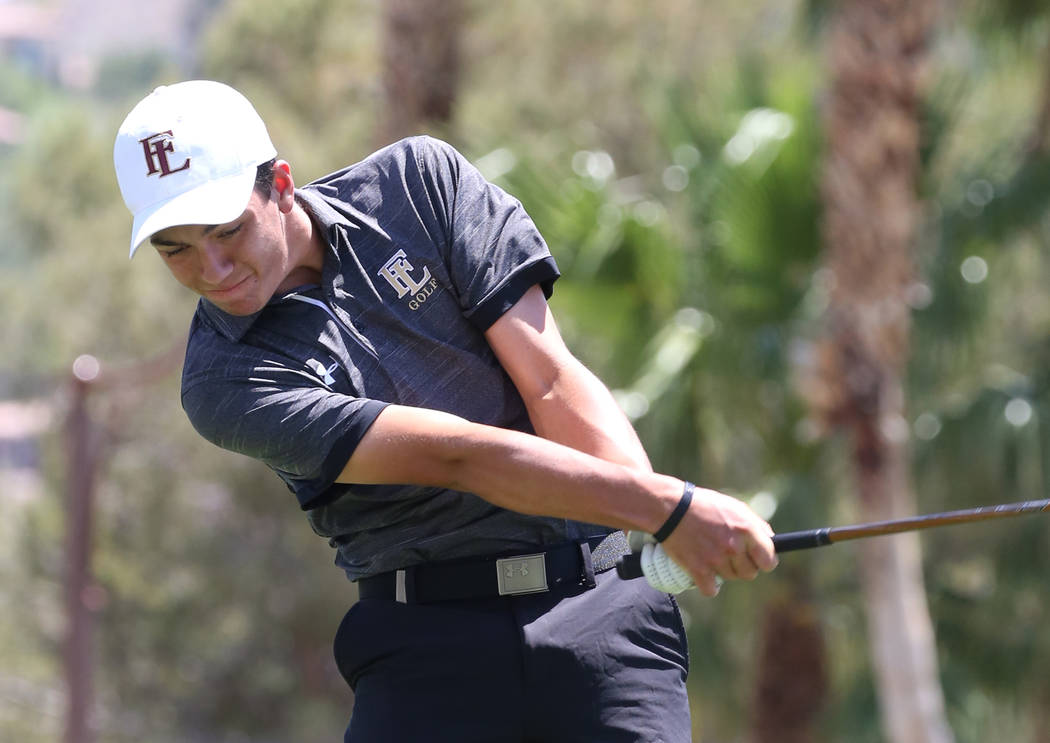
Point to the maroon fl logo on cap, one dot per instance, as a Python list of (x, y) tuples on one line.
[(156, 148)]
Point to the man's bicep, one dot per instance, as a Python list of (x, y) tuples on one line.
[(529, 346), (567, 403)]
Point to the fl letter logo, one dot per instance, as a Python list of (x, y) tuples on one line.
[(156, 148)]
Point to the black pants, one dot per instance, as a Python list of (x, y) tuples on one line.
[(602, 665)]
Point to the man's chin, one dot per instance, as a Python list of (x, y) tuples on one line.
[(240, 300)]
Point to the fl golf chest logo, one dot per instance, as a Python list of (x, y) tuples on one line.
[(398, 272)]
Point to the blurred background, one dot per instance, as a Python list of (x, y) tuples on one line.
[(805, 242)]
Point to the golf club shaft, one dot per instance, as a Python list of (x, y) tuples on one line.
[(630, 565), (799, 540)]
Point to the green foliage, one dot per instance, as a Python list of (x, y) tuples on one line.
[(670, 153), (1014, 17), (21, 91), (311, 67), (127, 75)]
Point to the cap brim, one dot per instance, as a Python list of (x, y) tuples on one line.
[(214, 202)]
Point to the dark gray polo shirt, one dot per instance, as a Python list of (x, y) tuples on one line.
[(423, 256)]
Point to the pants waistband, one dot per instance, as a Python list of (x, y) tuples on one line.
[(554, 566)]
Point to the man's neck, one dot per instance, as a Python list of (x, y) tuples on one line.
[(306, 249)]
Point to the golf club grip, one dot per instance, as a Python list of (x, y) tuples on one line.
[(629, 566), (801, 540)]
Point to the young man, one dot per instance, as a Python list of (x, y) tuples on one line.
[(381, 339)]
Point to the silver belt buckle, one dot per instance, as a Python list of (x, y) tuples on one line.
[(521, 574)]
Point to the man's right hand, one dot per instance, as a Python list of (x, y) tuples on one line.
[(720, 536)]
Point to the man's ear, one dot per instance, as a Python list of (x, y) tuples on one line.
[(283, 185)]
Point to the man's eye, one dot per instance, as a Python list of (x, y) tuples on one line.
[(230, 232), (173, 252)]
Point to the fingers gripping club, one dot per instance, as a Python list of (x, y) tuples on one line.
[(663, 573), (658, 569)]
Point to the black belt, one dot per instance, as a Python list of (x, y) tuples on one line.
[(562, 565)]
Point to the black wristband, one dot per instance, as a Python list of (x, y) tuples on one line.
[(676, 514)]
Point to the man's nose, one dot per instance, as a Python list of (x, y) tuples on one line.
[(216, 263)]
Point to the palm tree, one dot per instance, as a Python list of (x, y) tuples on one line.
[(871, 210)]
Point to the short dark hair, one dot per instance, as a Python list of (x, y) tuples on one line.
[(264, 177)]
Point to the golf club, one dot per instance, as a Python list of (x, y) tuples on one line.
[(630, 566)]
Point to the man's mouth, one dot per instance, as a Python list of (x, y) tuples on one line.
[(226, 291)]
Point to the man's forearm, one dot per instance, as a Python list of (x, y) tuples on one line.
[(579, 411), (511, 469), (718, 535)]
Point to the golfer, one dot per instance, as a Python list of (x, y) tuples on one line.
[(380, 338)]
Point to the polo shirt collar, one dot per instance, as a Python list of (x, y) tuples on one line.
[(231, 327)]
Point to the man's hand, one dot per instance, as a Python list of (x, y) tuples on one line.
[(720, 536)]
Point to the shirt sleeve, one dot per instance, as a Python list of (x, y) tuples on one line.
[(273, 412), (495, 253)]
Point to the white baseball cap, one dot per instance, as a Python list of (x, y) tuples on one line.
[(187, 154)]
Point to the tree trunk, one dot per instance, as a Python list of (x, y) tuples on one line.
[(83, 446), (900, 632), (421, 59), (792, 682), (871, 121)]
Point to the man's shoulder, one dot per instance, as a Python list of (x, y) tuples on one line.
[(413, 148), (421, 151), (415, 168)]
